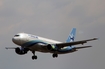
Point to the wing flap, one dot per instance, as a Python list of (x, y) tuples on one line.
[(82, 47)]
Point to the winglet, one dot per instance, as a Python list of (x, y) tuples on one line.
[(92, 39), (95, 38)]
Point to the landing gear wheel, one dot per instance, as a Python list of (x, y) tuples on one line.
[(55, 55), (34, 57)]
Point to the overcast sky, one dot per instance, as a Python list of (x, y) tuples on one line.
[(53, 19)]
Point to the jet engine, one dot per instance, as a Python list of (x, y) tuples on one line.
[(52, 47), (21, 51)]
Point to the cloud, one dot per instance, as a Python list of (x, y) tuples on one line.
[(1, 3)]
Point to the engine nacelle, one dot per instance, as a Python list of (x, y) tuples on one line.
[(21, 52), (52, 47)]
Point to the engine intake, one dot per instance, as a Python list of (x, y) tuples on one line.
[(21, 52), (51, 47)]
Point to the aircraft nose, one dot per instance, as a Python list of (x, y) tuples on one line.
[(16, 40)]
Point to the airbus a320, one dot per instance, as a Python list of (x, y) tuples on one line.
[(33, 43)]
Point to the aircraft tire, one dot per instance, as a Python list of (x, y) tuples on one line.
[(34, 57), (55, 55)]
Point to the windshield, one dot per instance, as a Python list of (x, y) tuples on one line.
[(17, 35)]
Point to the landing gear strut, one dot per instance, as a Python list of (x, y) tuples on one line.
[(55, 55), (34, 56)]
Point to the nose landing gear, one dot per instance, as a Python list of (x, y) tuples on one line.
[(34, 56)]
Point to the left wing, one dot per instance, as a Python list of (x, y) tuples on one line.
[(10, 47), (60, 45)]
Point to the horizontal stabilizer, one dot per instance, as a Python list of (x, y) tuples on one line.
[(83, 47)]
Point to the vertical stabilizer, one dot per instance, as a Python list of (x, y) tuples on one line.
[(71, 35)]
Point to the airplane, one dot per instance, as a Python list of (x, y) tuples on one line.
[(33, 43)]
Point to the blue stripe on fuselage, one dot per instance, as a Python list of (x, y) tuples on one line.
[(31, 43)]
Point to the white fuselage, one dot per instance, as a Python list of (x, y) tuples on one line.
[(28, 40), (36, 43)]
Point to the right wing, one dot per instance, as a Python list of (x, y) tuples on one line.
[(60, 45)]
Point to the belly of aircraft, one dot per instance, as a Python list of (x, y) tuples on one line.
[(39, 48), (45, 50)]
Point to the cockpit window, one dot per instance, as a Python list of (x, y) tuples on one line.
[(17, 35)]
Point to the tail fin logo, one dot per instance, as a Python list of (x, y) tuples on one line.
[(71, 37)]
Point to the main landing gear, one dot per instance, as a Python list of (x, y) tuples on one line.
[(34, 56), (55, 55)]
